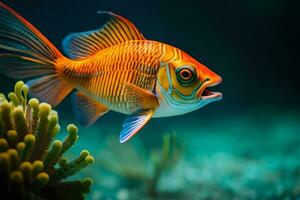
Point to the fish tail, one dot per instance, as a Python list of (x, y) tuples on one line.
[(26, 53)]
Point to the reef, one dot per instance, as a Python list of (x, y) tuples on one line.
[(32, 165)]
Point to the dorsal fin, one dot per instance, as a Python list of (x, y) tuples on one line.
[(116, 30)]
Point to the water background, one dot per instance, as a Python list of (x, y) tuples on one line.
[(249, 43)]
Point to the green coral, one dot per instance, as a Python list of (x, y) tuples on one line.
[(29, 168)]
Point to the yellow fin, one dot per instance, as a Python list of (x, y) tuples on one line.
[(87, 110), (140, 98), (116, 30)]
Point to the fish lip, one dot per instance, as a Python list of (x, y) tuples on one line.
[(210, 95), (215, 96)]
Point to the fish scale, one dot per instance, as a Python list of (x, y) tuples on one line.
[(108, 69)]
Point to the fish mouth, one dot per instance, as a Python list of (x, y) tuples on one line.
[(208, 95), (211, 95)]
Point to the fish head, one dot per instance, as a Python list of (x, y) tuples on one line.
[(182, 85)]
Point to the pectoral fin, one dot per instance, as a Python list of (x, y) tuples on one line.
[(134, 123), (140, 98), (87, 110)]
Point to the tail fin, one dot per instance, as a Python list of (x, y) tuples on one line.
[(25, 53)]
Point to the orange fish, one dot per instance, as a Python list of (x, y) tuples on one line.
[(113, 68)]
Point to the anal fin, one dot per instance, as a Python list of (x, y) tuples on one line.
[(87, 110), (50, 88)]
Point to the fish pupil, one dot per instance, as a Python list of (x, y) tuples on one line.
[(186, 75)]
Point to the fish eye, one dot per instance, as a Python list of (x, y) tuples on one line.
[(186, 75)]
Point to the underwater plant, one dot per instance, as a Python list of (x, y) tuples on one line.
[(141, 167), (164, 160), (31, 168)]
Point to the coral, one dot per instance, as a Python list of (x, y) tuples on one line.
[(29, 167)]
